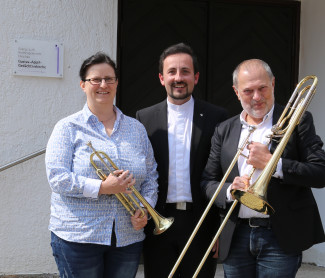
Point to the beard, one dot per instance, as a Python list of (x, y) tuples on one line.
[(175, 94), (255, 113)]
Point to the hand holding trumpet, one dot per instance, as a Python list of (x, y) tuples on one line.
[(138, 220), (118, 182)]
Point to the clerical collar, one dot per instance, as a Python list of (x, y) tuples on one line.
[(181, 107)]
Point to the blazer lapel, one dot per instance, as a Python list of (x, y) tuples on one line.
[(162, 126), (197, 127), (234, 137), (276, 115)]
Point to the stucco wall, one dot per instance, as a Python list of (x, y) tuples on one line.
[(29, 108), (312, 62)]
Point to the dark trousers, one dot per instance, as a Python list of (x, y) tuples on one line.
[(161, 252)]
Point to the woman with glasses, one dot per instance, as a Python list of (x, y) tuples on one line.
[(92, 233)]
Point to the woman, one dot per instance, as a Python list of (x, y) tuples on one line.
[(92, 234)]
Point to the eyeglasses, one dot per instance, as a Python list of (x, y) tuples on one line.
[(98, 81)]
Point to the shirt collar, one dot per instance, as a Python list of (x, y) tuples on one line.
[(183, 107), (119, 114), (88, 115), (266, 119)]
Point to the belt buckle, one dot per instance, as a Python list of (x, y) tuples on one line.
[(251, 225), (181, 205)]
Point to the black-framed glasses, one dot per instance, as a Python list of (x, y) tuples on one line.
[(98, 81)]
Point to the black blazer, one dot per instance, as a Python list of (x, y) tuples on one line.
[(205, 117), (296, 222)]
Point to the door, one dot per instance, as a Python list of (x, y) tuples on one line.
[(222, 34)]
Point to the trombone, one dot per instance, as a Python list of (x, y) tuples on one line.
[(128, 200), (255, 196)]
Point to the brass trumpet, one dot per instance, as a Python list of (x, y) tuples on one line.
[(128, 200), (255, 196)]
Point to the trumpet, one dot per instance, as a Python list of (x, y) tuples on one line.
[(255, 196), (128, 200)]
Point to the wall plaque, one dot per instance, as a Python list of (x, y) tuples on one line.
[(38, 58)]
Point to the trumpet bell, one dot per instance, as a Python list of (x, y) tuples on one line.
[(253, 201), (163, 224)]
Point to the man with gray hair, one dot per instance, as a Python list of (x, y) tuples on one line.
[(253, 244)]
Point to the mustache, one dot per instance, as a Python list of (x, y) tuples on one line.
[(258, 102), (179, 83)]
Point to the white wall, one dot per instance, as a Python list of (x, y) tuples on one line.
[(312, 62), (29, 108)]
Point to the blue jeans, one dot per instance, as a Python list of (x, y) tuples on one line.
[(83, 260), (255, 253)]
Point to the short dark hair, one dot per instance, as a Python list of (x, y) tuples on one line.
[(175, 49), (98, 58)]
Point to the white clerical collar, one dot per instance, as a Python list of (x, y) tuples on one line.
[(182, 107)]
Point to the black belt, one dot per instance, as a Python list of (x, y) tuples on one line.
[(256, 222), (180, 206)]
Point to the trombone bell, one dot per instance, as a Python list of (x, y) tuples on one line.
[(253, 200)]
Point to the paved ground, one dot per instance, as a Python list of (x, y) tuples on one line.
[(311, 271), (306, 271)]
